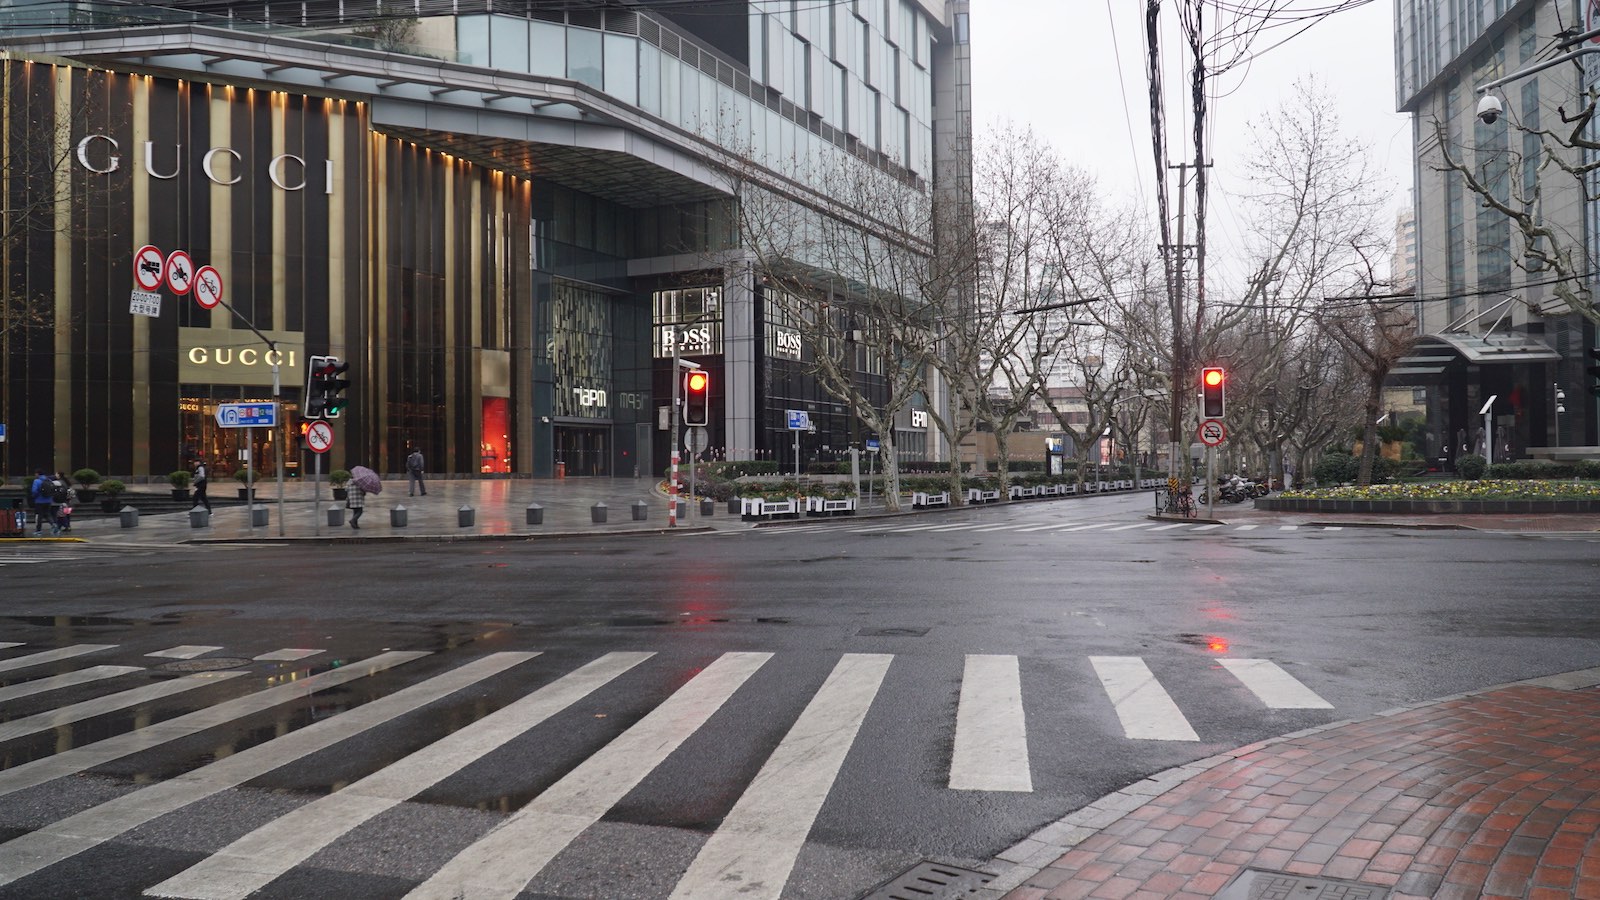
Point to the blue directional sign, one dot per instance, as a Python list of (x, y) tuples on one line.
[(799, 420), (873, 445), (2, 432), (247, 415)]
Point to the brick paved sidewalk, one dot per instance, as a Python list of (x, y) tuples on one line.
[(1495, 794)]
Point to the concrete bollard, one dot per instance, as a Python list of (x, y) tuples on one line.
[(260, 516), (397, 517), (199, 518), (129, 517), (708, 506), (641, 510), (336, 516), (465, 516), (597, 513), (535, 514)]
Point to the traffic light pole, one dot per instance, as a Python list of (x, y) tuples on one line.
[(249, 437)]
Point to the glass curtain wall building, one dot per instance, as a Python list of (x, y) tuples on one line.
[(1491, 323), (505, 216)]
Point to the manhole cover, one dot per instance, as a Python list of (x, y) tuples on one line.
[(932, 881), (1254, 884), (210, 664), (892, 632)]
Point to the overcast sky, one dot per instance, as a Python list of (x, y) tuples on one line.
[(1054, 65)]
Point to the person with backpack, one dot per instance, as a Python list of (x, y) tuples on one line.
[(414, 473), (42, 495), (200, 478), (63, 498)]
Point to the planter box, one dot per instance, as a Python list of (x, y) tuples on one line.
[(822, 506), (977, 495), (757, 508), (340, 493), (923, 499), (1023, 493), (1049, 490), (180, 493)]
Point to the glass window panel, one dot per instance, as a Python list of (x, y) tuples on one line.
[(585, 57), (508, 43), (708, 105), (622, 68), (547, 54), (671, 106), (758, 42), (649, 79), (472, 39)]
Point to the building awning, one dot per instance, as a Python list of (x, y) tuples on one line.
[(1434, 351)]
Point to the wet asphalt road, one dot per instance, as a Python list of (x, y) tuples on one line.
[(1366, 619)]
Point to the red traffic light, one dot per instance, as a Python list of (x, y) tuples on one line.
[(1212, 400), (1213, 377), (697, 382)]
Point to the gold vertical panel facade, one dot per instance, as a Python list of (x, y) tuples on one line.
[(61, 445), (451, 438), (141, 324), (377, 302), (277, 113)]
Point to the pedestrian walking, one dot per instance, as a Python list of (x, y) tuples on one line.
[(414, 466), (201, 476), (63, 498), (355, 500), (42, 495)]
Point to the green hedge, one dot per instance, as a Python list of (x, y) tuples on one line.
[(1531, 470)]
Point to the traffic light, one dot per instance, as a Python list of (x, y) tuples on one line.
[(1594, 371), (1213, 386), (696, 397), (335, 387), (325, 387)]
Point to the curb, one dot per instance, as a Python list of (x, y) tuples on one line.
[(1415, 526), (447, 538), (1037, 851), (44, 540)]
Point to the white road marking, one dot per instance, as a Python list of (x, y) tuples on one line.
[(49, 656), (1288, 527), (70, 762), (1206, 527), (1276, 688), (752, 853), (68, 679), (502, 862), (251, 862), (1245, 527), (187, 651), (991, 746), (916, 528), (1087, 527), (1333, 528), (871, 528), (286, 655), (7, 645), (1170, 527), (1146, 710), (1005, 526), (77, 712), (92, 827), (1046, 527), (1130, 527)]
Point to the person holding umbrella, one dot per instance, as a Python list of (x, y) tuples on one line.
[(363, 481)]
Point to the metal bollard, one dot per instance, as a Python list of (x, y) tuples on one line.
[(641, 510), (708, 506), (597, 513), (397, 517), (259, 516), (199, 518), (129, 517), (535, 514), (336, 516), (465, 516)]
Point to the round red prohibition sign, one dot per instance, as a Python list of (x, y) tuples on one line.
[(180, 272), (319, 437), (207, 287), (1212, 433), (148, 267)]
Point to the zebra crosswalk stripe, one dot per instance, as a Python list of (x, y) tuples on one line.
[(1246, 527), (991, 746), (1046, 527), (70, 762), (1288, 527), (248, 864), (87, 709), (502, 862), (1170, 527), (92, 827), (1276, 688), (1130, 527), (1142, 704), (50, 656), (1088, 527), (752, 853), (7, 645), (66, 679), (1210, 527)]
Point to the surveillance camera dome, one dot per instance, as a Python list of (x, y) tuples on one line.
[(1489, 109)]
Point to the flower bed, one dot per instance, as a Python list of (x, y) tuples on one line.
[(1488, 495)]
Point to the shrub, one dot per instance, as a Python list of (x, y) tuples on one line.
[(1529, 470), (112, 487), (242, 476), (1588, 468), (1471, 466), (339, 477), (1336, 468), (179, 478), (86, 477)]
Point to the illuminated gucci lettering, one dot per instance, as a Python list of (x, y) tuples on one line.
[(105, 161), (248, 356)]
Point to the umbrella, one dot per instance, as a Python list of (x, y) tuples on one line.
[(366, 479)]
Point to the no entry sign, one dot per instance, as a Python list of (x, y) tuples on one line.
[(207, 287), (319, 437), (180, 272), (1212, 433)]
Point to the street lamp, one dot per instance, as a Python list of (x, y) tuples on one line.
[(1560, 408)]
